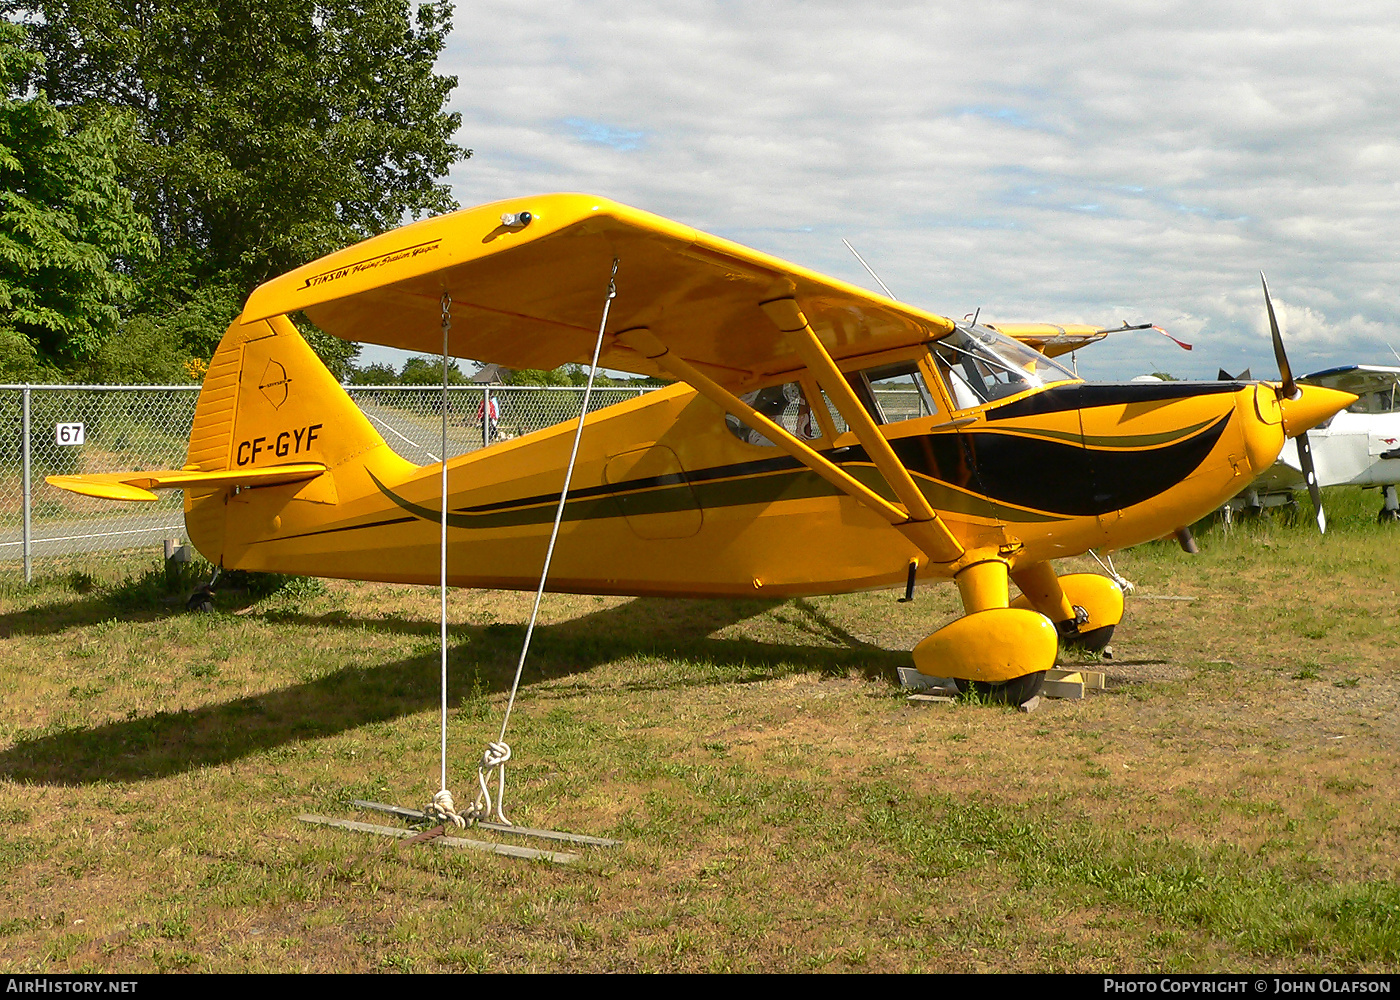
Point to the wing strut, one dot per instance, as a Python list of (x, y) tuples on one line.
[(924, 527), (644, 342)]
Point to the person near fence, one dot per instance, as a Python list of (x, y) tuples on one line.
[(489, 420)]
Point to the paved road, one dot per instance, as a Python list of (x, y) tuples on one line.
[(123, 531), (414, 433)]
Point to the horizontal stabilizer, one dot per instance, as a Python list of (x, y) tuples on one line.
[(138, 485)]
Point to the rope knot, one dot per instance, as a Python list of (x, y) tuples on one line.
[(495, 755), (493, 759), (444, 810)]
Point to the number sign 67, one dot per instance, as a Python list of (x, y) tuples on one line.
[(68, 433)]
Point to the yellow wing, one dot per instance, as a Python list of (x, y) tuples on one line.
[(1052, 340), (531, 296)]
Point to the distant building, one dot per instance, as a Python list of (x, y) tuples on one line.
[(491, 374)]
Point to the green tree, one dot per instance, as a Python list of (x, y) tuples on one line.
[(266, 132), (68, 229), (571, 374), (428, 371), (378, 373)]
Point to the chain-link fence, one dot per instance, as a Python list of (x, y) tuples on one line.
[(409, 417), (50, 430), (57, 430)]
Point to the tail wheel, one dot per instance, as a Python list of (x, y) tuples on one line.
[(1016, 691)]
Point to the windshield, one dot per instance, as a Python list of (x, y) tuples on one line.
[(980, 365)]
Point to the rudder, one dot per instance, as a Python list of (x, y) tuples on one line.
[(268, 400)]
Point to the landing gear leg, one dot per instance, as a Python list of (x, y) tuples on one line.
[(999, 651), (1253, 506), (1085, 607), (1390, 513)]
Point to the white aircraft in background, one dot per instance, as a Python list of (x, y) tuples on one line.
[(1360, 446)]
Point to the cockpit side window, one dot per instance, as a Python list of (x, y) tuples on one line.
[(1382, 401), (893, 392), (890, 393)]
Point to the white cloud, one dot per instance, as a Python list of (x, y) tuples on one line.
[(1086, 161)]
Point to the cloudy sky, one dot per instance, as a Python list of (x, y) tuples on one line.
[(1080, 161)]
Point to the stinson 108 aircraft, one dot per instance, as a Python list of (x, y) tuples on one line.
[(775, 465)]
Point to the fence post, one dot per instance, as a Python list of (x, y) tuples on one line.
[(24, 462), (485, 416)]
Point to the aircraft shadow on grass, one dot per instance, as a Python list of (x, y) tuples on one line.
[(167, 743)]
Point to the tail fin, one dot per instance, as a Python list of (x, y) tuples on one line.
[(270, 414), (268, 400), (268, 403)]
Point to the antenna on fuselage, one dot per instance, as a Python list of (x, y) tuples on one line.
[(883, 287)]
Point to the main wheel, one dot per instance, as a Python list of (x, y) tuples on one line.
[(201, 601), (1091, 641), (1016, 691)]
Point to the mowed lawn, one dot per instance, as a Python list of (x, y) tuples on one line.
[(1228, 803)]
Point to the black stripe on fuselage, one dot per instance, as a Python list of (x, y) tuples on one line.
[(1047, 477), (1064, 478), (1087, 395), (343, 527), (994, 472), (784, 463)]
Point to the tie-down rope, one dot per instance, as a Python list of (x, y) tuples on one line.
[(1118, 578), (442, 807), (493, 760)]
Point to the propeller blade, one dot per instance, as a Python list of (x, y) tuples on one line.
[(1305, 460), (1290, 391), (1290, 388)]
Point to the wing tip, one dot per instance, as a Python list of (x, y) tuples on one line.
[(103, 489)]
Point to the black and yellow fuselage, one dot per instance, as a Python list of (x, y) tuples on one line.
[(1006, 463), (665, 501)]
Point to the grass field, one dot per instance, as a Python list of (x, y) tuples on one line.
[(1229, 803)]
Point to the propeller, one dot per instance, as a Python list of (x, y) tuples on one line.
[(1287, 391)]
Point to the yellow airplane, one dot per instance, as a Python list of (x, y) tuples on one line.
[(781, 461)]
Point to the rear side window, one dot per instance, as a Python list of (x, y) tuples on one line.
[(786, 405)]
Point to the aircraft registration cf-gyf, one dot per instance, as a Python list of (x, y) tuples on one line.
[(776, 464)]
